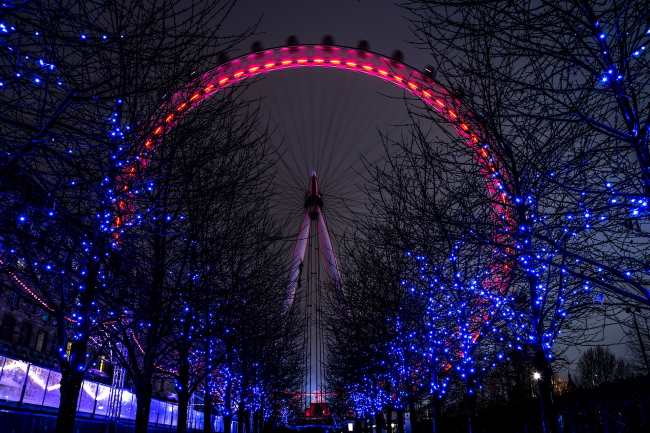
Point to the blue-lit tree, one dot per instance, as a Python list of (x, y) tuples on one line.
[(77, 82), (571, 69), (59, 149), (502, 293), (562, 88), (361, 327)]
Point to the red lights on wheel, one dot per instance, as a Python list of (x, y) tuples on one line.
[(374, 67)]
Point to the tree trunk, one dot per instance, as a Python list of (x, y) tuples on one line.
[(227, 416), (73, 368), (470, 408), (183, 387), (207, 412), (227, 423), (379, 421), (400, 421), (547, 410), (240, 419), (259, 420), (143, 396), (247, 417), (243, 425), (434, 415), (412, 414), (183, 403), (67, 412), (389, 419)]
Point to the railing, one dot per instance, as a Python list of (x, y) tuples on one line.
[(24, 383)]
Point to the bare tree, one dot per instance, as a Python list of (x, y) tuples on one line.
[(599, 365)]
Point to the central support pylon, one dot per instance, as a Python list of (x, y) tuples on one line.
[(313, 253), (313, 212)]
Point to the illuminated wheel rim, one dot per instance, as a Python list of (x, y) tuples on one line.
[(435, 96)]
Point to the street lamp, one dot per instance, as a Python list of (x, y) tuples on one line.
[(537, 375)]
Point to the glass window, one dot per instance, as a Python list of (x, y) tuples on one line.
[(87, 397), (53, 390), (169, 416), (41, 338), (162, 414), (35, 389), (153, 411), (128, 408), (103, 393), (174, 414), (198, 419), (13, 377)]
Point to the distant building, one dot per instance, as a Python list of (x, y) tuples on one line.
[(26, 331)]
